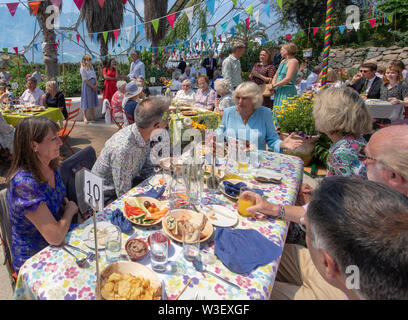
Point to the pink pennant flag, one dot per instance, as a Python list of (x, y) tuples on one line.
[(101, 3), (16, 50), (12, 8), (315, 31), (116, 34), (55, 46), (171, 19), (372, 22), (288, 36), (78, 36), (247, 22), (124, 1), (56, 3), (79, 4), (220, 37)]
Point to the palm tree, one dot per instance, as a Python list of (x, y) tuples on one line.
[(155, 9), (98, 19), (50, 57)]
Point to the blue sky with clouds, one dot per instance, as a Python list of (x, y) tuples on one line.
[(20, 29)]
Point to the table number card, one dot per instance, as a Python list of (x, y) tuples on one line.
[(93, 187)]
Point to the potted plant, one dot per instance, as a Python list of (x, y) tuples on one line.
[(296, 115)]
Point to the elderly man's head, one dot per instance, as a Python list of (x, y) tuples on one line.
[(357, 235), (134, 55), (386, 157), (31, 83)]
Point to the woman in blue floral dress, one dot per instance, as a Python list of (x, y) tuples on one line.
[(40, 214)]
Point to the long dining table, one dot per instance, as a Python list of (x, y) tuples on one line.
[(52, 274)]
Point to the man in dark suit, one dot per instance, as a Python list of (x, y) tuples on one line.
[(210, 64), (366, 82)]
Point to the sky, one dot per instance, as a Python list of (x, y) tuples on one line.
[(19, 30)]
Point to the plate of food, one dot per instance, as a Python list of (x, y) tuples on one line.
[(136, 249), (38, 109), (144, 211), (221, 216), (160, 179), (175, 220), (189, 113), (126, 280), (104, 228)]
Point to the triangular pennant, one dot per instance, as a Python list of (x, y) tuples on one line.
[(204, 36), (12, 8), (171, 19), (5, 51), (16, 50), (140, 27), (256, 16), (79, 4), (250, 9), (189, 12), (288, 36), (210, 42), (95, 35), (56, 3), (342, 28), (247, 22), (389, 17), (372, 22), (78, 36), (315, 29), (224, 26), (101, 3), (267, 9), (55, 46), (220, 37), (213, 32), (280, 3), (62, 37), (155, 24), (239, 28), (356, 25), (233, 33), (236, 19), (70, 36), (234, 2), (210, 4), (34, 5), (124, 1), (128, 31), (263, 41), (116, 34)]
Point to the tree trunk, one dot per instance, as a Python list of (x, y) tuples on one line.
[(50, 57)]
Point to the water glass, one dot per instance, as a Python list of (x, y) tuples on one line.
[(193, 178), (275, 164), (159, 251), (113, 244), (191, 243)]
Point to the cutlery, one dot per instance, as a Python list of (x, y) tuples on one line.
[(164, 294), (89, 255), (80, 262), (198, 265), (184, 289)]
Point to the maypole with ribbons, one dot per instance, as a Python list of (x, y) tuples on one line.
[(327, 36)]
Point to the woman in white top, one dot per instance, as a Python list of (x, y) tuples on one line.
[(185, 95), (223, 88), (89, 92), (175, 83)]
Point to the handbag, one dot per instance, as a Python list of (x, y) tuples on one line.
[(267, 89)]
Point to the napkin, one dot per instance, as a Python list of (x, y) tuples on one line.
[(244, 250), (153, 193), (233, 190), (119, 220)]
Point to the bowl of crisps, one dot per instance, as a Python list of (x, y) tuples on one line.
[(126, 280)]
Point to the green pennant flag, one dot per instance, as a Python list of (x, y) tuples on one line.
[(105, 36), (301, 33), (234, 2), (5, 50), (70, 37), (280, 3), (213, 32), (224, 26), (389, 17), (239, 28), (250, 9), (155, 24)]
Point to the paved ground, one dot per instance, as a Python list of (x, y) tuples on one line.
[(83, 135)]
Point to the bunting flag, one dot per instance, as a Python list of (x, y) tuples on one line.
[(101, 3), (280, 3), (213, 32), (224, 26), (250, 9), (263, 41), (389, 17), (79, 4), (220, 37), (256, 16), (56, 3), (34, 5), (55, 46), (372, 22), (189, 12), (95, 35), (63, 37), (16, 50), (342, 28), (234, 2), (288, 36), (247, 22), (5, 50), (315, 31), (236, 19), (356, 25), (105, 36), (78, 36), (116, 34), (204, 36), (210, 5), (124, 1), (141, 28), (70, 36), (12, 8), (267, 9), (128, 30), (239, 28), (171, 18), (35, 46), (233, 33), (155, 24)]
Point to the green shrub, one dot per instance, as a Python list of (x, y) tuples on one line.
[(71, 84)]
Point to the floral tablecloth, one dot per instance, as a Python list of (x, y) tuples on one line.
[(53, 274)]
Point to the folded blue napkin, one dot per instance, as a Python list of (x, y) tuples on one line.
[(153, 193), (233, 190), (119, 220), (244, 250)]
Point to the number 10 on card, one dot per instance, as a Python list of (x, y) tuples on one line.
[(93, 187)]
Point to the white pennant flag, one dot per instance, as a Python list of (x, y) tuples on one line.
[(356, 25), (256, 16), (128, 30), (189, 12)]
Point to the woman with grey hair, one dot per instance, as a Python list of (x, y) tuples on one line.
[(175, 83), (223, 88), (117, 99), (185, 95), (250, 118), (54, 98)]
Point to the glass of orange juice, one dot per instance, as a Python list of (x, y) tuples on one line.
[(244, 204)]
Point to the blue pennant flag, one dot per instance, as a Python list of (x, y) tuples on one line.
[(95, 35), (210, 42), (210, 4), (224, 26), (204, 36), (186, 44), (342, 28), (35, 46), (62, 37), (236, 19), (263, 42), (233, 33), (267, 9), (140, 27)]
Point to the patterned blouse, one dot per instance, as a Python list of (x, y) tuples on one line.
[(399, 91), (117, 110), (24, 195), (125, 156), (268, 70), (205, 98), (343, 159)]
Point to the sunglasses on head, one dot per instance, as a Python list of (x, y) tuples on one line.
[(362, 156)]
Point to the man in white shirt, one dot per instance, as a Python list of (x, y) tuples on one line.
[(231, 67), (33, 94), (312, 78), (4, 76), (37, 74), (137, 67)]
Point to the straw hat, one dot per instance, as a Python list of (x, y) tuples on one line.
[(132, 89)]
